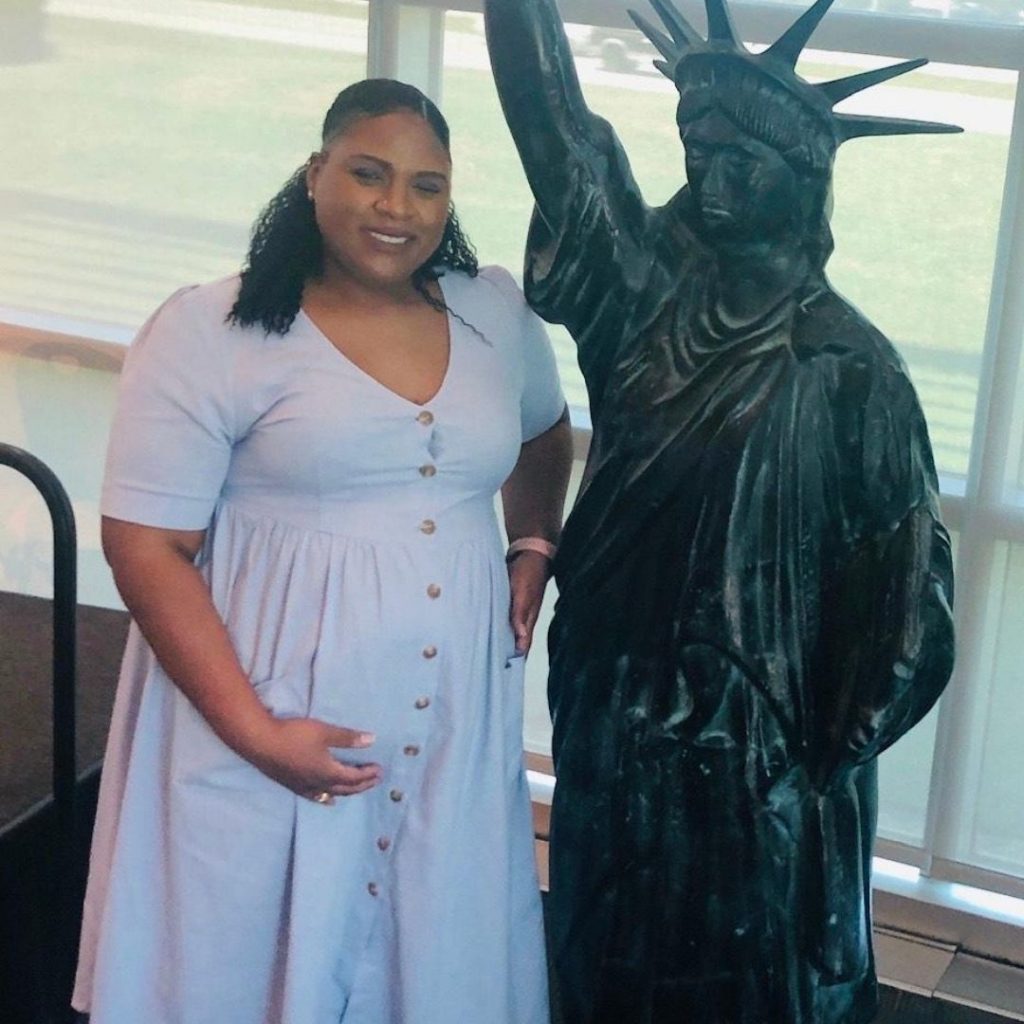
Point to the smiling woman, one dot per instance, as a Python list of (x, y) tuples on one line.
[(381, 191), (299, 514), (304, 237)]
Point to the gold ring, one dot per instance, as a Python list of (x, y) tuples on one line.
[(322, 798)]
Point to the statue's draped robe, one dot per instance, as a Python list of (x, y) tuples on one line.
[(754, 601)]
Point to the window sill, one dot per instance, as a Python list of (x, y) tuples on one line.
[(963, 918)]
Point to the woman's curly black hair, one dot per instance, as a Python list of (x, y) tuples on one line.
[(287, 249)]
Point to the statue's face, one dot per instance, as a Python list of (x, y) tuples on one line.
[(744, 191)]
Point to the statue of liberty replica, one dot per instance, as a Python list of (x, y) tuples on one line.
[(755, 584)]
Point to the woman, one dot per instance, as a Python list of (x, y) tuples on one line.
[(314, 807)]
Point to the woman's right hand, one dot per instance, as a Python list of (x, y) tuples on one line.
[(170, 600), (296, 753)]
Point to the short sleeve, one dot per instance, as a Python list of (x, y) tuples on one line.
[(542, 401), (171, 440)]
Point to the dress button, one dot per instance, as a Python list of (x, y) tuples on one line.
[(428, 471), (425, 418), (430, 652), (422, 702), (428, 526), (411, 751), (372, 889), (433, 591), (396, 796), (383, 843)]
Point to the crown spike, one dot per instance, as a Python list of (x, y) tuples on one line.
[(778, 63), (791, 43), (662, 43), (720, 26), (841, 88), (679, 28), (852, 126)]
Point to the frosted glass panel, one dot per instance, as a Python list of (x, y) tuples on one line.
[(996, 836), (56, 402), (904, 777), (915, 224)]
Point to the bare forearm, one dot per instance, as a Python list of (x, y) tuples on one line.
[(534, 495), (171, 603)]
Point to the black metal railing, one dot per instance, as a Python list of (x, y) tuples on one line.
[(61, 905), (65, 602)]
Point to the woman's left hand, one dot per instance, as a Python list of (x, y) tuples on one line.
[(528, 575)]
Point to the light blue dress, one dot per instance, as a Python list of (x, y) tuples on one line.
[(354, 553)]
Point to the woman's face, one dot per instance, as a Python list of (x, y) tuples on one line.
[(381, 192), (744, 190)]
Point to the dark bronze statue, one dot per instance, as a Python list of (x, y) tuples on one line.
[(754, 583)]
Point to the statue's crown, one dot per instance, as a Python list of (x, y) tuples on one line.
[(684, 44)]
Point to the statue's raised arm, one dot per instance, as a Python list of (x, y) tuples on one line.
[(587, 200), (539, 91)]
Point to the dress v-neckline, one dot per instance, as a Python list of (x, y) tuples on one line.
[(379, 384)]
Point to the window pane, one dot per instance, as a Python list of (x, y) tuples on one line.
[(489, 187), (915, 224), (904, 778), (995, 837), (988, 12), (56, 401), (149, 139)]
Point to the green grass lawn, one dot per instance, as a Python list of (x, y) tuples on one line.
[(123, 127), (206, 126)]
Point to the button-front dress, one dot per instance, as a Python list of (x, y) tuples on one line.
[(353, 551)]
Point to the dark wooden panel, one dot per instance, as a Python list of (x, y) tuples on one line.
[(907, 1008), (25, 722)]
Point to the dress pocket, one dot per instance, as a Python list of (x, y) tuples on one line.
[(513, 696), (287, 695), (514, 660)]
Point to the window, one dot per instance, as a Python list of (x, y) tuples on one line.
[(176, 124)]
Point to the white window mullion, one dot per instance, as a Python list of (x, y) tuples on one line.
[(407, 42), (958, 753), (382, 39)]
